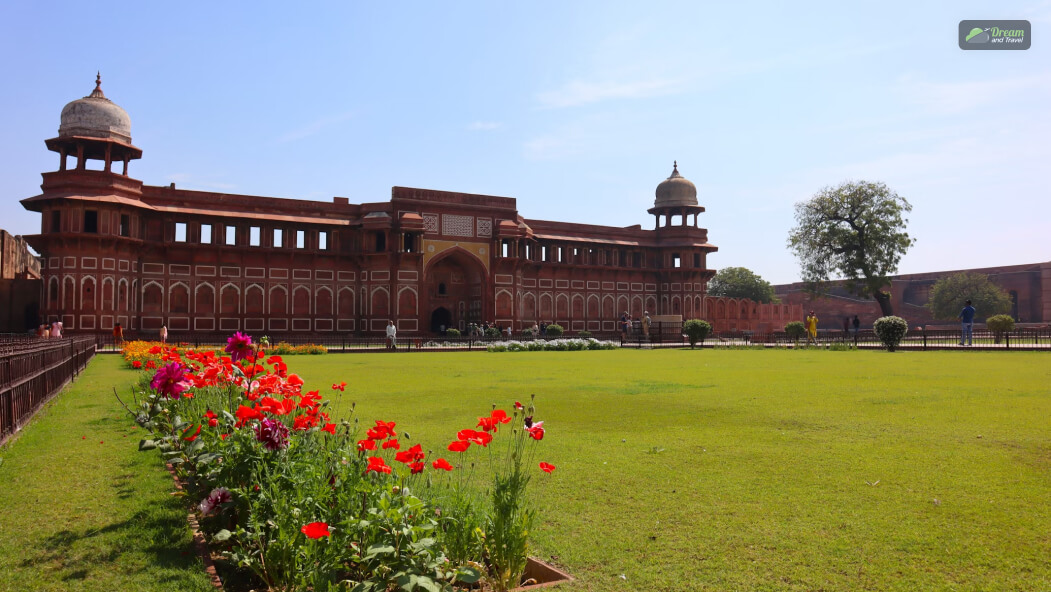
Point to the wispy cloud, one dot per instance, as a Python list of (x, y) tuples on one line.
[(314, 127), (484, 126), (579, 92), (953, 98)]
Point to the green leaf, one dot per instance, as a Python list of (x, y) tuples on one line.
[(147, 444), (428, 584), (468, 575), (378, 549), (222, 535)]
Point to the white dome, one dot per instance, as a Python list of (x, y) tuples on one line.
[(95, 116)]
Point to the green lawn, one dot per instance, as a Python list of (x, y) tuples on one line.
[(82, 509), (677, 470)]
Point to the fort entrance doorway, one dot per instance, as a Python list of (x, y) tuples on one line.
[(454, 291)]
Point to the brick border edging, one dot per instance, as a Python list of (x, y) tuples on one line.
[(199, 542)]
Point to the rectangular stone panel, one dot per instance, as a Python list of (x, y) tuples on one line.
[(153, 268), (528, 282), (578, 284), (205, 270), (176, 269), (323, 325), (109, 263), (278, 325), (231, 272), (203, 324), (178, 323), (593, 285), (323, 274), (651, 287), (675, 287), (346, 276), (607, 285), (300, 324), (297, 274), (278, 273), (226, 324), (636, 287), (380, 276), (122, 265), (254, 324), (562, 284), (622, 286), (504, 279), (345, 325), (255, 272), (89, 263), (52, 263), (456, 225), (546, 283), (406, 275)]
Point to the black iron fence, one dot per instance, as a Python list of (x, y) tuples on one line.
[(32, 370)]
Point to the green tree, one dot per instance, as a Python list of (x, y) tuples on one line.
[(949, 293), (741, 282), (855, 231)]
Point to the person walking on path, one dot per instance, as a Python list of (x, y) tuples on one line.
[(646, 324), (811, 328), (966, 323), (392, 335), (857, 326), (118, 335)]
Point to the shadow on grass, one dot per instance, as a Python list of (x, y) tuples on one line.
[(151, 545)]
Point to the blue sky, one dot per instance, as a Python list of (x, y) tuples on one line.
[(577, 109)]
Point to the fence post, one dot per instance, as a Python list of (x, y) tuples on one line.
[(924, 340), (1007, 339)]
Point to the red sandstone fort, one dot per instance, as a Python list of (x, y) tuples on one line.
[(114, 250)]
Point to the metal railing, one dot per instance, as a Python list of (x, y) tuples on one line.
[(32, 370)]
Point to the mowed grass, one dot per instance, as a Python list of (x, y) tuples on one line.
[(756, 470), (82, 509), (677, 470)]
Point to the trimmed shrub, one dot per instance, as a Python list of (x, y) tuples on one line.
[(492, 332), (554, 330), (696, 330), (452, 332), (584, 334), (795, 330), (890, 330), (999, 325)]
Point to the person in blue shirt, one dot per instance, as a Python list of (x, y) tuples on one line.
[(967, 320)]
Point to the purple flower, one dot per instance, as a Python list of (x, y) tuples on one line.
[(218, 496), (272, 433), (170, 380), (239, 346)]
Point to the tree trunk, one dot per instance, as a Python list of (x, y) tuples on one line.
[(883, 298)]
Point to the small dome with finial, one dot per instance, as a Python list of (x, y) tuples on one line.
[(676, 190), (95, 116)]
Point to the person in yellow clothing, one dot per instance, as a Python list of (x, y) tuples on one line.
[(811, 328)]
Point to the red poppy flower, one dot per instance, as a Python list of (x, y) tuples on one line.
[(136, 364), (481, 438), (213, 422), (518, 406), (224, 436), (315, 530), (295, 380), (459, 446), (500, 415), (391, 444), (330, 428), (547, 468), (416, 468), (376, 464), (411, 455), (488, 424), (366, 445), (210, 415), (536, 433), (339, 387), (304, 422), (443, 464), (465, 435)]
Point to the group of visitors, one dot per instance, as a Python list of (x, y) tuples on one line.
[(46, 331), (966, 317), (629, 324)]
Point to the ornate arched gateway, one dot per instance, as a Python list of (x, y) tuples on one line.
[(454, 292)]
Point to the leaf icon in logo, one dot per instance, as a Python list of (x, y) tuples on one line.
[(978, 35)]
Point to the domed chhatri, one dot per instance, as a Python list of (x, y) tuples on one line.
[(95, 116), (675, 191)]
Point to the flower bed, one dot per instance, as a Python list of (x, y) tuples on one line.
[(550, 345), (297, 501)]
